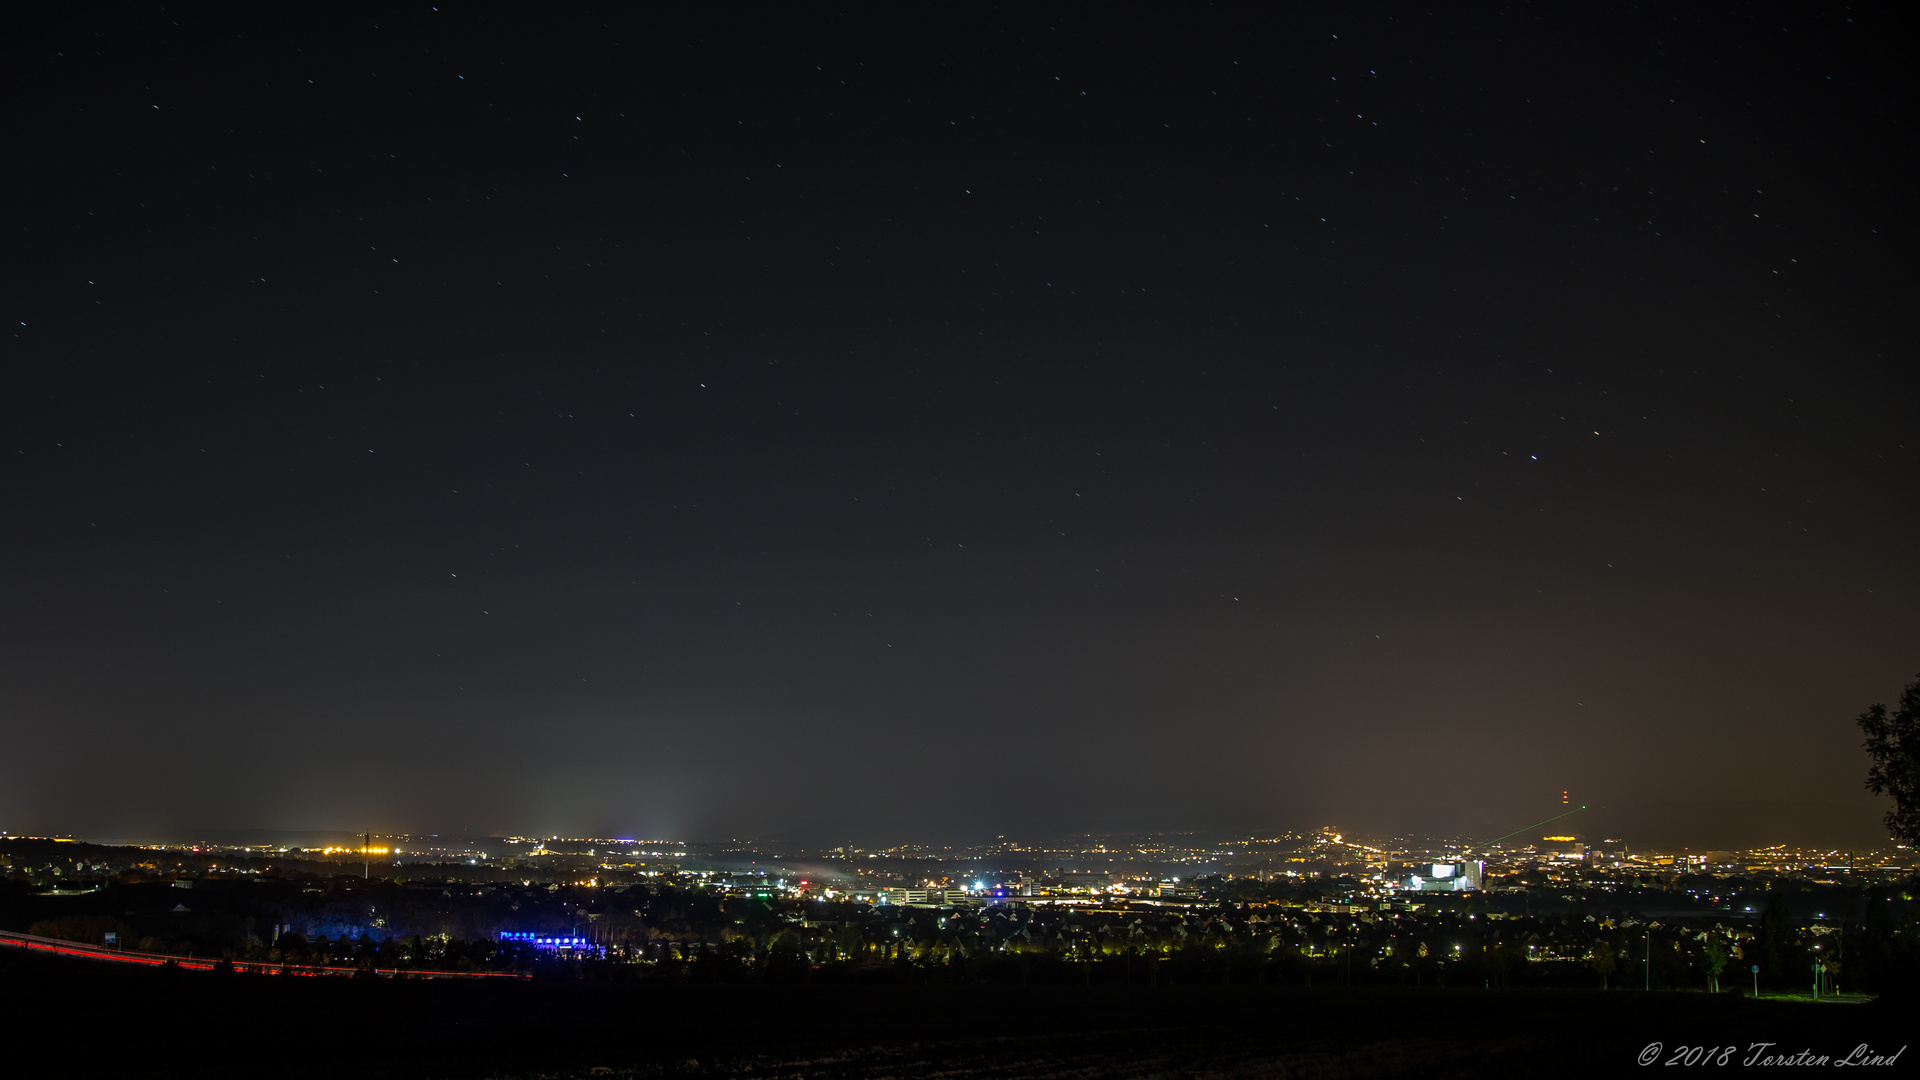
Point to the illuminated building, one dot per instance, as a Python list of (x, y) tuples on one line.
[(1563, 846), (1448, 877)]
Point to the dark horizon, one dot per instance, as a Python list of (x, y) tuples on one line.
[(710, 424), (1730, 826)]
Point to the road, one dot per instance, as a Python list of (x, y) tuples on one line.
[(56, 947)]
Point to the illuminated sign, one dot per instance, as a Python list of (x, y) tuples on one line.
[(545, 942)]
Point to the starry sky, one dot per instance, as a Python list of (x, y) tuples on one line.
[(928, 424)]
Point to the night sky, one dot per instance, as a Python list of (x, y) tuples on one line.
[(890, 426)]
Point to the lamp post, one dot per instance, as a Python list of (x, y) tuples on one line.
[(1756, 980)]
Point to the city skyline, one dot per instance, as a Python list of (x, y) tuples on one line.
[(419, 848), (1667, 825)]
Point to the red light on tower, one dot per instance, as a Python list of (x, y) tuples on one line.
[(1563, 798)]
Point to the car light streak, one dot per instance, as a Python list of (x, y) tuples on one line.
[(34, 943)]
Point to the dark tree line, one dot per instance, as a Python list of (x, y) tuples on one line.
[(1893, 746)]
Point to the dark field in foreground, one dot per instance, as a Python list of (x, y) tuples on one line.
[(98, 1019)]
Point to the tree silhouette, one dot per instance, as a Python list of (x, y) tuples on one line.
[(1776, 932), (1603, 961), (1716, 956), (1893, 743)]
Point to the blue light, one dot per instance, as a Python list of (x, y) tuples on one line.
[(546, 943)]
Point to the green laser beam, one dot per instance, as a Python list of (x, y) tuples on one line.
[(1535, 825)]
